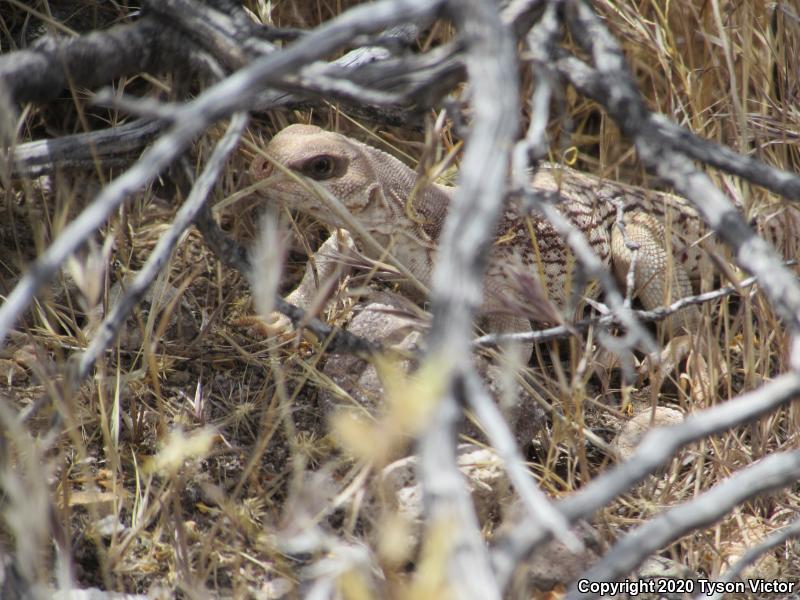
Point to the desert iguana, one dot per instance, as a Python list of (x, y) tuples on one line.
[(393, 210)]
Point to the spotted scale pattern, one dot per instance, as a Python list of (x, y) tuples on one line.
[(531, 271)]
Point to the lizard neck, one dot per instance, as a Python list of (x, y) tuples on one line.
[(413, 203), (405, 214)]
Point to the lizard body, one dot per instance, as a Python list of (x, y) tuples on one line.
[(531, 275)]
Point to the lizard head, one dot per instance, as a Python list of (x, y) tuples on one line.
[(333, 161)]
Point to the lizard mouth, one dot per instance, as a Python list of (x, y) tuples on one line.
[(260, 168)]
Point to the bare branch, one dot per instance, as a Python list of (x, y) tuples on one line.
[(774, 540), (114, 146), (611, 84), (401, 87), (541, 42), (785, 183), (655, 450), (109, 328), (610, 319), (234, 93), (231, 41), (765, 475), (593, 84), (457, 286), (91, 60)]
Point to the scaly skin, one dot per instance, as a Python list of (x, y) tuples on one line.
[(536, 276), (375, 188)]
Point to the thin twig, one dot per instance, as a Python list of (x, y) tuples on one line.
[(108, 329), (609, 319)]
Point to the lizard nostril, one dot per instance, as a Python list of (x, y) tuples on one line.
[(261, 168)]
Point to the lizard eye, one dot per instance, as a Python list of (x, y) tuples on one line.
[(320, 167)]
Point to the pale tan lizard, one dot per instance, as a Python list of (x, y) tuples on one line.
[(387, 202)]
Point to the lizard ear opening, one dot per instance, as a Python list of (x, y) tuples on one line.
[(322, 166)]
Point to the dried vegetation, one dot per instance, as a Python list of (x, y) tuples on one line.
[(197, 452)]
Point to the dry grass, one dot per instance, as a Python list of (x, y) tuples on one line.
[(199, 440)]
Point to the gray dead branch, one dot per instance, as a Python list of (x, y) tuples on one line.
[(610, 319), (457, 287), (763, 476), (109, 328), (612, 85), (236, 92), (657, 448), (775, 539)]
